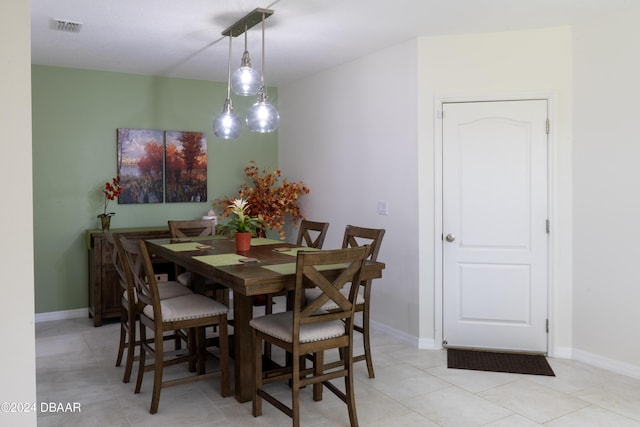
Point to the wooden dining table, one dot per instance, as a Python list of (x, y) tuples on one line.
[(267, 268)]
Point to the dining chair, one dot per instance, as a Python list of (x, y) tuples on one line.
[(184, 229), (310, 234), (191, 312), (129, 306), (355, 236), (309, 330)]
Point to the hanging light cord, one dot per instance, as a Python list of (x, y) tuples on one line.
[(262, 73), (245, 36), (229, 71)]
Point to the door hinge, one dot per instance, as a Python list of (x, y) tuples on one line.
[(548, 226), (548, 126), (547, 325)]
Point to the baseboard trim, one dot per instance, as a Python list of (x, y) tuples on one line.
[(396, 333), (61, 315), (598, 361), (561, 353)]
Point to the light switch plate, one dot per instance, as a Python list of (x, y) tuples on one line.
[(383, 208)]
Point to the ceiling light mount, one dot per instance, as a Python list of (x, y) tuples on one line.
[(250, 20)]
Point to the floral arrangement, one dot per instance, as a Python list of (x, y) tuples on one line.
[(111, 191), (267, 198), (242, 222)]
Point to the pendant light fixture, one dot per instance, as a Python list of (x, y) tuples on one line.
[(263, 117), (227, 125), (245, 81)]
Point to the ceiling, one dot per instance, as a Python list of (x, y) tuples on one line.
[(178, 38)]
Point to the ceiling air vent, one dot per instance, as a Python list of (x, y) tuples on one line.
[(64, 25)]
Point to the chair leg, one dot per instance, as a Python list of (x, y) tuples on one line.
[(131, 349), (366, 336), (268, 309), (318, 369), (142, 359), (349, 390), (192, 348), (201, 349), (295, 390), (256, 404), (123, 336), (223, 346), (177, 341), (157, 371)]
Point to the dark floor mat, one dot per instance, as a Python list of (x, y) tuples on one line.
[(516, 363)]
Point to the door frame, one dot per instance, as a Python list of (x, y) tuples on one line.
[(438, 192)]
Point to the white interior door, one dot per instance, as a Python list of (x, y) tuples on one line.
[(495, 252)]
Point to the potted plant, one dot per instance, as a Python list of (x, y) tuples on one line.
[(242, 225), (111, 191), (268, 198)]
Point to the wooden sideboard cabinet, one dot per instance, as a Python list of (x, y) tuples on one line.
[(104, 290)]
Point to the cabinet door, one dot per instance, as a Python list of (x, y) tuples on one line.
[(111, 292)]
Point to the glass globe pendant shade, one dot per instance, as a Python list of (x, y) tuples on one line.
[(263, 117), (227, 125), (246, 81)]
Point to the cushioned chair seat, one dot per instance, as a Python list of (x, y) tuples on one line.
[(279, 325), (187, 307), (172, 290), (184, 278)]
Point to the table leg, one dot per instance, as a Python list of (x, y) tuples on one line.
[(243, 347)]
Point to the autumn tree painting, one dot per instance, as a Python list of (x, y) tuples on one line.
[(140, 165), (186, 166)]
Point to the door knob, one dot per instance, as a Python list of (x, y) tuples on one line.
[(450, 237)]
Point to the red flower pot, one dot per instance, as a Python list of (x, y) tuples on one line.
[(243, 242)]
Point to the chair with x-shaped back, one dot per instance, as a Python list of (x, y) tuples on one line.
[(130, 306), (308, 329), (311, 234), (353, 237), (191, 313), (198, 228)]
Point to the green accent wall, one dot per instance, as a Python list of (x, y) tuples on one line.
[(75, 117)]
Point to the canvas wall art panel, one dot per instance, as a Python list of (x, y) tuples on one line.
[(140, 165), (185, 166)]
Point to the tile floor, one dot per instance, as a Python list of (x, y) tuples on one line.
[(76, 363)]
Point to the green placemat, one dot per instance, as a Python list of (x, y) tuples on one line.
[(220, 259), (257, 241), (200, 238), (290, 267), (185, 246), (294, 251)]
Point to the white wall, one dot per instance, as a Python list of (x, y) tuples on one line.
[(17, 375), (350, 134), (606, 196), (498, 65), (367, 133)]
